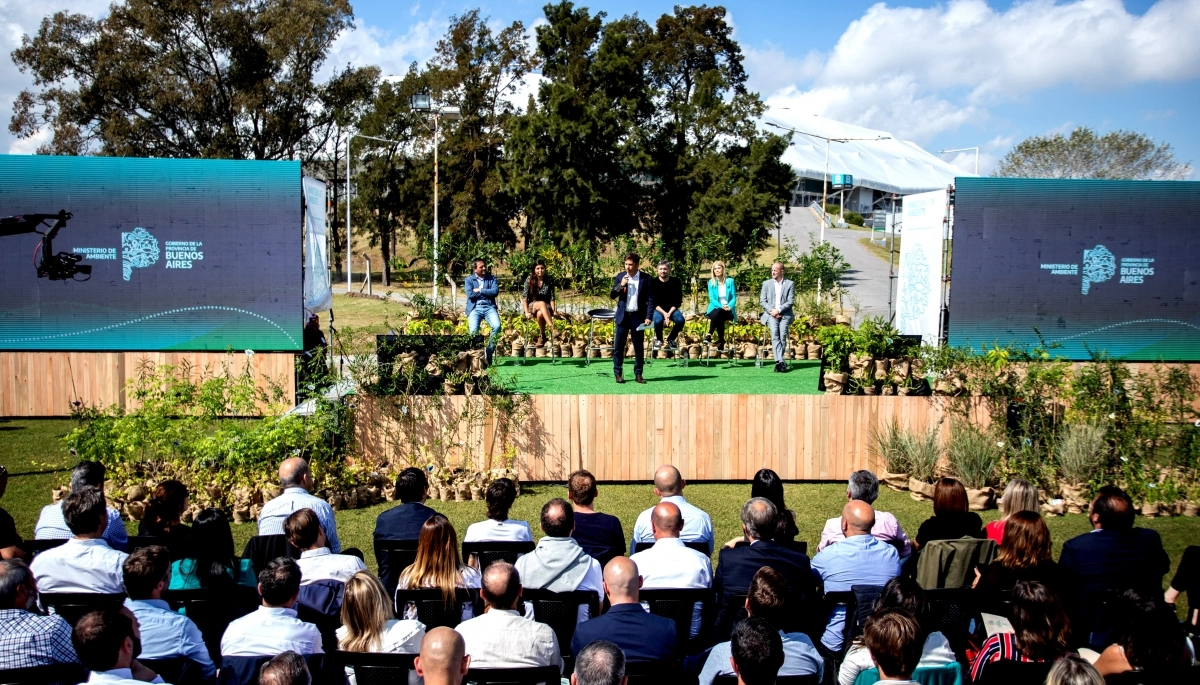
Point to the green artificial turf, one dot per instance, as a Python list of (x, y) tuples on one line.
[(572, 377)]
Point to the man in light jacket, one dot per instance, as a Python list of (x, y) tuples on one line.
[(482, 289), (777, 297)]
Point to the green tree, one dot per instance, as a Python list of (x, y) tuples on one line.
[(1084, 154)]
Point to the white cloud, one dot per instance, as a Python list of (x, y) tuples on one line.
[(770, 69), (392, 54)]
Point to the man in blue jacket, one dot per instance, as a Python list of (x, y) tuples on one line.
[(632, 291), (640, 634), (482, 289)]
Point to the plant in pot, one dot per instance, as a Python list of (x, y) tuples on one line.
[(1081, 451), (887, 443), (974, 456), (922, 452), (1192, 508), (836, 341)]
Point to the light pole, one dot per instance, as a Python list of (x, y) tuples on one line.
[(349, 255), (965, 149), (422, 103)]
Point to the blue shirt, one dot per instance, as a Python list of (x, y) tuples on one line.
[(857, 560), (800, 657), (697, 525), (275, 512), (52, 525), (28, 639), (167, 635), (485, 299)]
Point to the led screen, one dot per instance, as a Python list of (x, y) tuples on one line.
[(1091, 266), (158, 254)]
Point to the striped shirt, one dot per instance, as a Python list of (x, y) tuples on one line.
[(999, 647)]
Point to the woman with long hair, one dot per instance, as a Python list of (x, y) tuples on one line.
[(210, 561), (538, 302), (768, 485), (1041, 630), (368, 624), (163, 517), (1147, 637), (1024, 555), (1019, 495), (500, 496), (722, 303), (903, 593), (952, 517), (438, 564)]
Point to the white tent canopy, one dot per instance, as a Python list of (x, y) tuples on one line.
[(891, 166)]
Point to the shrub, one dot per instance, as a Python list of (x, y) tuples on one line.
[(887, 443), (922, 451), (853, 218), (974, 455), (1081, 452)]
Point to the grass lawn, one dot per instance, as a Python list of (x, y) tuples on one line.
[(33, 445), (572, 377)]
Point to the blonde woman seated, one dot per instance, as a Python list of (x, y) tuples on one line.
[(439, 565), (1020, 495), (722, 304), (538, 302), (368, 624)]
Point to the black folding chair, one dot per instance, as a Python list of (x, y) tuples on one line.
[(812, 679), (679, 606), (244, 670), (651, 672), (513, 676), (33, 548), (488, 552), (212, 610), (54, 674), (391, 558), (560, 611), (954, 612), (375, 668), (701, 547), (800, 546), (431, 606), (261, 549), (831, 601), (732, 610), (73, 605), (176, 670)]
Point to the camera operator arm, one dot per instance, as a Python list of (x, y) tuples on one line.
[(28, 223), (57, 267)]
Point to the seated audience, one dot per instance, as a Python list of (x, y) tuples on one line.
[(1187, 579), (107, 642), (85, 563), (558, 563), (306, 534), (10, 539), (893, 639), (288, 668), (443, 659), (864, 487), (165, 633), (669, 564), (1073, 669), (274, 627), (27, 638), (1041, 630), (368, 624), (600, 535), (600, 663), (502, 637), (403, 522), (1147, 637), (756, 652), (769, 485), (297, 482), (164, 511), (211, 562), (904, 594), (697, 525), (1019, 495), (952, 518), (859, 559), (439, 565), (52, 525), (500, 496), (767, 600), (642, 635), (1024, 555)]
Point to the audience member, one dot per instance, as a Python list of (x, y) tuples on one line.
[(902, 593), (288, 668), (85, 563), (10, 539), (767, 599), (368, 624), (952, 518), (502, 637), (52, 524), (165, 633), (756, 652), (28, 639), (893, 639), (274, 627), (669, 564), (558, 563), (439, 565), (306, 534), (1187, 579), (767, 484), (642, 635), (600, 535), (108, 642), (859, 559), (1019, 495), (163, 517), (402, 522), (668, 486), (1024, 555), (211, 562), (1041, 630), (1073, 669), (297, 482), (600, 663), (864, 487), (443, 659), (500, 496), (1147, 637)]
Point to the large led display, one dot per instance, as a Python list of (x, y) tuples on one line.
[(1091, 266), (108, 253)]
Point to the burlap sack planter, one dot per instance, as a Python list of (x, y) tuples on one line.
[(1191, 509), (749, 351), (693, 351), (882, 366), (814, 350), (889, 390), (835, 383), (518, 348), (870, 389), (903, 391), (842, 320), (979, 500), (920, 490), (606, 353), (577, 350), (895, 481), (1073, 498), (1055, 507), (1150, 510)]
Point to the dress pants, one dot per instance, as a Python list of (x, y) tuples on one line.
[(779, 330), (639, 348)]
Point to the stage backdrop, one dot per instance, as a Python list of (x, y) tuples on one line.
[(919, 295), (1110, 266), (184, 254)]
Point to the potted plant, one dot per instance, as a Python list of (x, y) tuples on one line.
[(888, 445), (922, 452), (1081, 451), (974, 457), (837, 342)]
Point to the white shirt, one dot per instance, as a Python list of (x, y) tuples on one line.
[(722, 296), (494, 531), (671, 565), (399, 636), (270, 631), (697, 525), (936, 652), (778, 294), (321, 564), (118, 676), (631, 300), (80, 566), (505, 639), (276, 511), (52, 525)]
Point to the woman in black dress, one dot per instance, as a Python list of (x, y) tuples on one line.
[(952, 518), (539, 299)]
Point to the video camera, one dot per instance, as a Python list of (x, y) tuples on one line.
[(63, 266)]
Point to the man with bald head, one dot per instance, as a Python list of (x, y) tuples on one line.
[(669, 565), (443, 659), (639, 633), (297, 482), (502, 637), (860, 559), (558, 563), (668, 487)]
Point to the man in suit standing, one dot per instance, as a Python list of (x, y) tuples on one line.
[(403, 522), (642, 635), (777, 297), (632, 291)]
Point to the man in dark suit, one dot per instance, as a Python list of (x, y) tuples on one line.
[(1113, 557), (403, 522), (632, 290), (736, 566), (640, 634)]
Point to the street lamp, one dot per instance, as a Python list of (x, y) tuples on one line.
[(422, 103), (349, 282), (965, 149)]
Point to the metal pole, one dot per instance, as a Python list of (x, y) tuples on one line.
[(824, 199), (435, 206), (349, 256), (976, 161)]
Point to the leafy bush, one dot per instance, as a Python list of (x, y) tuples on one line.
[(838, 342), (1082, 452), (888, 443), (974, 455), (922, 452), (853, 218), (823, 263), (877, 337)]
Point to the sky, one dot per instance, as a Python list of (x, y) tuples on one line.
[(953, 74)]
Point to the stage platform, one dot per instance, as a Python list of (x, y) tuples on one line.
[(541, 376)]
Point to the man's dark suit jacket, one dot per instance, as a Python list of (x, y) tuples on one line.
[(645, 300), (1109, 560), (399, 523), (736, 568), (642, 635)]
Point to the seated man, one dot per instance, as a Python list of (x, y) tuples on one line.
[(669, 564), (859, 559), (443, 659), (600, 535), (296, 480), (28, 639), (10, 539), (642, 635), (306, 533), (558, 563), (767, 600), (288, 668), (777, 297), (403, 522), (894, 640), (600, 663), (52, 525), (165, 633), (697, 525), (85, 563), (274, 627), (107, 642), (502, 637), (756, 652), (864, 486)]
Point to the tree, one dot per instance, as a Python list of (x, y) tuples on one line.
[(189, 78), (1118, 154)]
